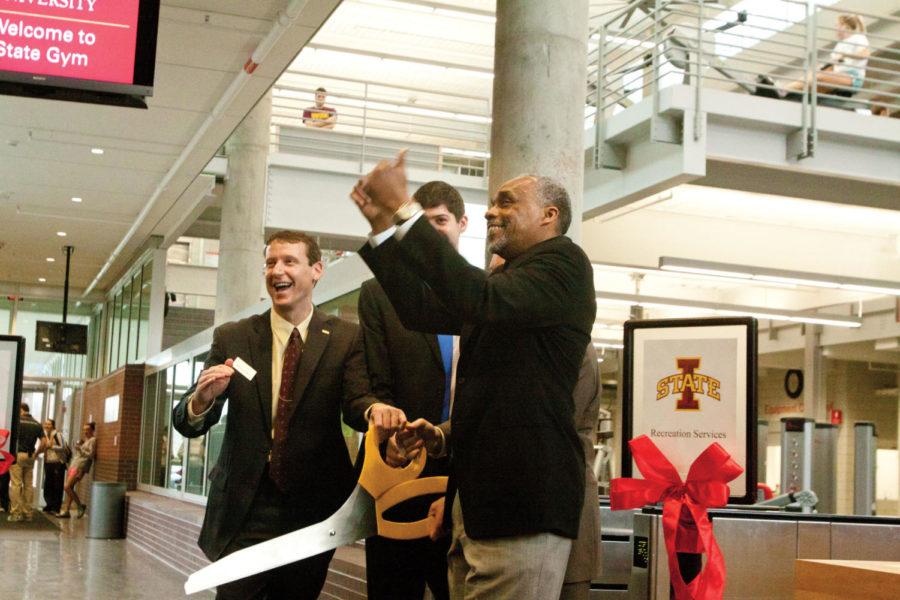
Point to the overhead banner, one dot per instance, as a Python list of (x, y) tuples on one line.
[(689, 383), (12, 362)]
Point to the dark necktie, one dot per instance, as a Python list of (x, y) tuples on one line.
[(278, 469)]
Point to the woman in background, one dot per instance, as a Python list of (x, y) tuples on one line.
[(85, 450), (845, 71)]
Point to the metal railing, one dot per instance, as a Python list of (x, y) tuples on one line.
[(374, 121), (648, 45)]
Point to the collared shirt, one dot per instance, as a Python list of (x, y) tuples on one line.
[(281, 333)]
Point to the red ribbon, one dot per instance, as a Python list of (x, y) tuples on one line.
[(8, 458), (686, 527)]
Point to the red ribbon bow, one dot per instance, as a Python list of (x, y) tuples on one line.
[(8, 458), (683, 501)]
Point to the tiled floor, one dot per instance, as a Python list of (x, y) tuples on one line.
[(42, 566)]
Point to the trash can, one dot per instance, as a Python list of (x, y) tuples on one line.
[(106, 519)]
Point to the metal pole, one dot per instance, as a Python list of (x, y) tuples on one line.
[(655, 56), (68, 250), (814, 66), (13, 314), (698, 69), (362, 156), (598, 94)]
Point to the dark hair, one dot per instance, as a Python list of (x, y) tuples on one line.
[(52, 423), (321, 89), (441, 193), (93, 426), (25, 407), (551, 193), (313, 253)]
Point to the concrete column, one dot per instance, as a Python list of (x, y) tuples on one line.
[(814, 399), (156, 316), (540, 85), (243, 212)]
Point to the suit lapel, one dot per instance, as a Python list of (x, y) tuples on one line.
[(316, 340), (261, 358)]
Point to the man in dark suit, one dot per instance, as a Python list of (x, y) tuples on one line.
[(412, 371), (284, 463), (517, 467), (584, 561)]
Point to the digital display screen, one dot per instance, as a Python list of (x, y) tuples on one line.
[(67, 338), (105, 45)]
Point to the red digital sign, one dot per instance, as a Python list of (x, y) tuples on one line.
[(79, 39)]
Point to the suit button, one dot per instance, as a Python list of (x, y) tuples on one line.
[(460, 380)]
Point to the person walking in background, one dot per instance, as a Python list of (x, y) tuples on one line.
[(85, 451), (21, 491), (55, 458)]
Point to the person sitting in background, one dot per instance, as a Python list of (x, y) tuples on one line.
[(321, 116), (846, 67), (85, 451), (54, 449), (20, 489)]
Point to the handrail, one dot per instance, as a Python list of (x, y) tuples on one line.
[(693, 43)]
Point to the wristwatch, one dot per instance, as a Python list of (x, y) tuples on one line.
[(406, 211)]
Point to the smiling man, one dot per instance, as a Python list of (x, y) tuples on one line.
[(517, 467), (283, 463)]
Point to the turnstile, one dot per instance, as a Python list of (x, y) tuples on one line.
[(824, 467), (760, 549), (796, 454)]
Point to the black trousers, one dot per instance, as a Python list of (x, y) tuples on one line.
[(4, 491), (271, 515), (400, 569), (54, 480)]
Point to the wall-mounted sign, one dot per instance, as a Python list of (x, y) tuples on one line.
[(689, 383), (12, 362), (99, 45), (111, 409)]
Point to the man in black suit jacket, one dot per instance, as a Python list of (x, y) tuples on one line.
[(412, 371), (275, 475), (517, 466)]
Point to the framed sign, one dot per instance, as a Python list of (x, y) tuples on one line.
[(12, 363), (689, 383)]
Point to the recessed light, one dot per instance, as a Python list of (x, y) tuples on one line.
[(97, 151), (51, 259), (61, 233), (76, 199), (42, 279)]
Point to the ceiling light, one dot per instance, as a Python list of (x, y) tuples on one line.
[(61, 233), (735, 310), (76, 199), (51, 259), (97, 151), (781, 276), (42, 279)]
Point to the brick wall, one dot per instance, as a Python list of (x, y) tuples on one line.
[(118, 442), (181, 323), (168, 529)]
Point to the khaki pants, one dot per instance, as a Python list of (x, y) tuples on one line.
[(525, 567), (21, 492)]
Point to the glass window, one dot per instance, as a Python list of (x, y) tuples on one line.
[(113, 348), (182, 381), (163, 418), (123, 323), (148, 410), (197, 446), (134, 341), (144, 314)]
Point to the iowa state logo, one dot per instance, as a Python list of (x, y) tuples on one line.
[(689, 384)]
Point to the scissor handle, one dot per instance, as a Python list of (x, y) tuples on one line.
[(377, 477), (397, 530)]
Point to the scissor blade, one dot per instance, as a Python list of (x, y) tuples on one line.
[(354, 520)]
